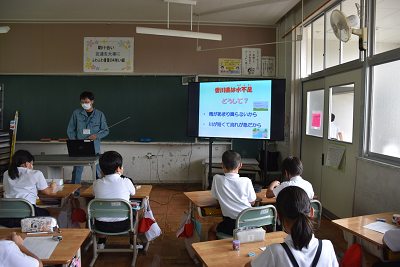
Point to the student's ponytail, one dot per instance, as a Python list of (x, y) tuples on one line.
[(293, 204), (19, 158)]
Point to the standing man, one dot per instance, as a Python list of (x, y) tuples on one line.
[(336, 133), (87, 123)]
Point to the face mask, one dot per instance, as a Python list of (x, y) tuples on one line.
[(31, 165), (86, 106)]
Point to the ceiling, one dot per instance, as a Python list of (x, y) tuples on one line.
[(237, 12)]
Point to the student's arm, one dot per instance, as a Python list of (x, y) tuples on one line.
[(340, 136), (49, 190), (270, 192), (20, 243)]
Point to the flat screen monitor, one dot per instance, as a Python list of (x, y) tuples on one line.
[(249, 109)]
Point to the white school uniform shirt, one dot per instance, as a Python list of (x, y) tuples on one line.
[(275, 255), (113, 186), (11, 256), (334, 130), (25, 186), (233, 193), (392, 239), (296, 181)]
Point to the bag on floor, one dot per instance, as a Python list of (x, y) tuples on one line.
[(148, 227), (352, 257), (186, 226)]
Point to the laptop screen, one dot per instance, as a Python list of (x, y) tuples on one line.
[(81, 148)]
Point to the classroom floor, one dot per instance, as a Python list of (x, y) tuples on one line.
[(168, 203)]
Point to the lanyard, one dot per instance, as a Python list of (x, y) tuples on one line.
[(91, 117)]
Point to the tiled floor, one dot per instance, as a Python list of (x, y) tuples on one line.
[(168, 203)]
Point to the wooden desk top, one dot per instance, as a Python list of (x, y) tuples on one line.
[(219, 252), (65, 250), (142, 192), (67, 190), (269, 200), (355, 225), (201, 198)]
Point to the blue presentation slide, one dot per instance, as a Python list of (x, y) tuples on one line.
[(235, 109)]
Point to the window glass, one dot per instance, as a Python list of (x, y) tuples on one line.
[(306, 50), (387, 25), (315, 113), (341, 107), (332, 43), (318, 45), (385, 126), (350, 49)]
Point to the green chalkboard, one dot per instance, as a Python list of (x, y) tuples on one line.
[(157, 105)]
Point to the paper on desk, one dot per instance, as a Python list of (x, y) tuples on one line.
[(41, 246), (58, 188), (380, 227), (263, 248)]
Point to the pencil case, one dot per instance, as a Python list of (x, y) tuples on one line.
[(46, 224), (249, 234)]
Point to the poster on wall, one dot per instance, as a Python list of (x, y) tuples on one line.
[(108, 54), (336, 158), (227, 66), (316, 120), (251, 61), (268, 66)]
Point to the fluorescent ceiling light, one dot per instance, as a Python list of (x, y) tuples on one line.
[(4, 29), (175, 33), (186, 2)]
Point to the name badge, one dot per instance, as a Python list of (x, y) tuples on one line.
[(86, 131)]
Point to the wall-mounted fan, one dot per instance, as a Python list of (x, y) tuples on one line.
[(342, 27)]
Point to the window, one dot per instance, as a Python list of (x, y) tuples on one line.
[(315, 113), (350, 49), (387, 25), (318, 45), (385, 126), (332, 43)]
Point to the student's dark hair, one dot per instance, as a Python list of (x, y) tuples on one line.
[(231, 159), (292, 165), (293, 203), (86, 94), (19, 158), (110, 161), (332, 117)]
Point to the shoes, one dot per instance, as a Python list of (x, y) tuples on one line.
[(138, 246), (101, 246)]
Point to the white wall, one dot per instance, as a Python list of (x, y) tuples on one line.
[(177, 163)]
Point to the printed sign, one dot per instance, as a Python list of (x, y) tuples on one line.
[(316, 120), (251, 61), (268, 66), (106, 54), (229, 66)]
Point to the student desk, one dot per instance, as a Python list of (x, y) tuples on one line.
[(143, 192), (269, 200), (66, 249), (354, 232), (67, 190), (249, 164), (219, 252), (55, 164)]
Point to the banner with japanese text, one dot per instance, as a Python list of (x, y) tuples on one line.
[(228, 66), (251, 61), (108, 54)]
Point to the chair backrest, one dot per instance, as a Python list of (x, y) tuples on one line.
[(317, 211), (257, 216), (16, 208), (109, 208)]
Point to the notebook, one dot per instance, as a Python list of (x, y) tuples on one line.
[(81, 148)]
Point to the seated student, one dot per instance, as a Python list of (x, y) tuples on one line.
[(233, 193), (21, 181), (292, 168), (391, 239), (113, 186), (14, 254), (295, 212)]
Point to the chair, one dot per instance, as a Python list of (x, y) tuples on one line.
[(110, 208), (254, 216), (317, 211), (16, 208)]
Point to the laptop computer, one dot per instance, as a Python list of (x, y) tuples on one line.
[(81, 148)]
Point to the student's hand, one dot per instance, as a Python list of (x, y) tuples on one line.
[(274, 184), (17, 239), (53, 185), (93, 137)]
